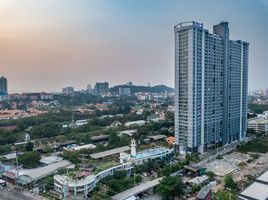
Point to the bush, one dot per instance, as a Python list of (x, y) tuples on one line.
[(224, 195)]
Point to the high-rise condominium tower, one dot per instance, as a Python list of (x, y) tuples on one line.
[(211, 81), (3, 85)]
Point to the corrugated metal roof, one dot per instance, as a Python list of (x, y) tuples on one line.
[(110, 152), (38, 173)]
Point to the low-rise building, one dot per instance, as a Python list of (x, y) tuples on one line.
[(77, 148), (204, 193), (17, 114), (135, 123), (109, 152), (50, 159), (46, 96), (68, 90), (115, 124), (99, 138), (124, 91), (170, 140), (257, 190), (75, 188), (199, 180), (27, 176), (102, 106), (155, 138), (81, 122), (258, 124), (129, 132)]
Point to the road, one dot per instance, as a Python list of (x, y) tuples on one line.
[(8, 194)]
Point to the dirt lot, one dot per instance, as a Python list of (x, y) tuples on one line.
[(238, 164)]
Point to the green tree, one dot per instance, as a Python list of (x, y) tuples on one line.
[(171, 187), (114, 140), (229, 182), (210, 175), (29, 159), (47, 149), (196, 188), (116, 185), (29, 146), (48, 182), (119, 175), (192, 157), (5, 149), (71, 156), (49, 129), (138, 178)]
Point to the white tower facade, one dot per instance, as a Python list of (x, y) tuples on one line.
[(133, 146), (27, 137)]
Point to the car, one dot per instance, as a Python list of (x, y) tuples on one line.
[(145, 174), (3, 184)]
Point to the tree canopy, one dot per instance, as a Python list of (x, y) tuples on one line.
[(29, 146), (29, 159), (229, 182), (171, 187)]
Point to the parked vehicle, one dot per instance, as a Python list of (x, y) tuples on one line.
[(3, 184)]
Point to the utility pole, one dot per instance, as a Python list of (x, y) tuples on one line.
[(17, 166)]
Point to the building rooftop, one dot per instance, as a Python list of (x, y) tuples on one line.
[(260, 120), (203, 192), (77, 148), (198, 180), (151, 152), (255, 191), (263, 178), (109, 152), (139, 122), (129, 132), (157, 137), (67, 142), (40, 172), (50, 159), (99, 137), (136, 190), (189, 23)]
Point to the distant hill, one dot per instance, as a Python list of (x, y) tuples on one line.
[(138, 88)]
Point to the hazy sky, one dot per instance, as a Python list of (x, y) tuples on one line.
[(49, 44)]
